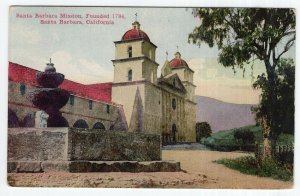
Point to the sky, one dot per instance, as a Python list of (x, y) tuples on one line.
[(83, 52)]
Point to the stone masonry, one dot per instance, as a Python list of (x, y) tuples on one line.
[(84, 150)]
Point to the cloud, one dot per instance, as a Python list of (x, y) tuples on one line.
[(94, 69), (80, 70)]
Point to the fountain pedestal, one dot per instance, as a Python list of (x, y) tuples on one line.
[(49, 97)]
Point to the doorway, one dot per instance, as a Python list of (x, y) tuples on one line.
[(174, 130)]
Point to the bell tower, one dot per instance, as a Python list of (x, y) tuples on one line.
[(134, 70), (135, 57)]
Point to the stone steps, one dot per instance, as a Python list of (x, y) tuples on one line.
[(92, 166)]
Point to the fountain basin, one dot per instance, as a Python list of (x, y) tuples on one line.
[(49, 79), (49, 98)]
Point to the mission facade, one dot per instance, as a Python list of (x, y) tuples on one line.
[(164, 105)]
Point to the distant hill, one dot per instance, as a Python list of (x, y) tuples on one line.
[(221, 115)]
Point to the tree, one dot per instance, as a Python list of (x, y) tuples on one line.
[(202, 130), (284, 108), (245, 135), (245, 34)]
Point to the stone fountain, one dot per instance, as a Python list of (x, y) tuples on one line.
[(49, 97)]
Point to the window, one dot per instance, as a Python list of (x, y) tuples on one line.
[(71, 99), (22, 89), (90, 104), (107, 109), (130, 75), (129, 51), (174, 104), (174, 82)]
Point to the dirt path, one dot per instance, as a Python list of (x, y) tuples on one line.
[(201, 172), (200, 162)]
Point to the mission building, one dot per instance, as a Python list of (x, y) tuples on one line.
[(137, 100)]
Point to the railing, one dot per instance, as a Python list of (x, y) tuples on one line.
[(284, 148), (278, 148), (282, 153)]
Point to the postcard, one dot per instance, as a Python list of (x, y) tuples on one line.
[(151, 97)]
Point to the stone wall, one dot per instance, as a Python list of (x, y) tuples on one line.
[(113, 146), (32, 144), (190, 112), (70, 144)]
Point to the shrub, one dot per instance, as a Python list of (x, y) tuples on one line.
[(244, 135), (266, 168), (203, 130), (285, 157)]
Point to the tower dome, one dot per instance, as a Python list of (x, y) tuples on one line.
[(177, 62), (135, 33)]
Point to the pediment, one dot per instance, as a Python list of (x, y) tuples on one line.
[(173, 81)]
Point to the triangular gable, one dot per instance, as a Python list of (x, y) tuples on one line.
[(173, 81)]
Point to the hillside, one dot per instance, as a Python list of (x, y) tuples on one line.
[(221, 115)]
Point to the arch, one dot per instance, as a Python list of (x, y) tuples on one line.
[(13, 120), (174, 130), (99, 125), (130, 75), (129, 51), (29, 120), (81, 124), (112, 127)]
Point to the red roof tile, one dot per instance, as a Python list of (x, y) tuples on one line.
[(99, 92), (135, 34), (177, 63)]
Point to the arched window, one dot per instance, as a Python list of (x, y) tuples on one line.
[(90, 104), (71, 99), (130, 75), (129, 51), (107, 109), (174, 104), (22, 89)]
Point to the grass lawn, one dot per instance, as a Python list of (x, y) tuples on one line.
[(268, 168)]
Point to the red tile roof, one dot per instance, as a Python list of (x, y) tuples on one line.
[(99, 92), (135, 34), (177, 63)]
